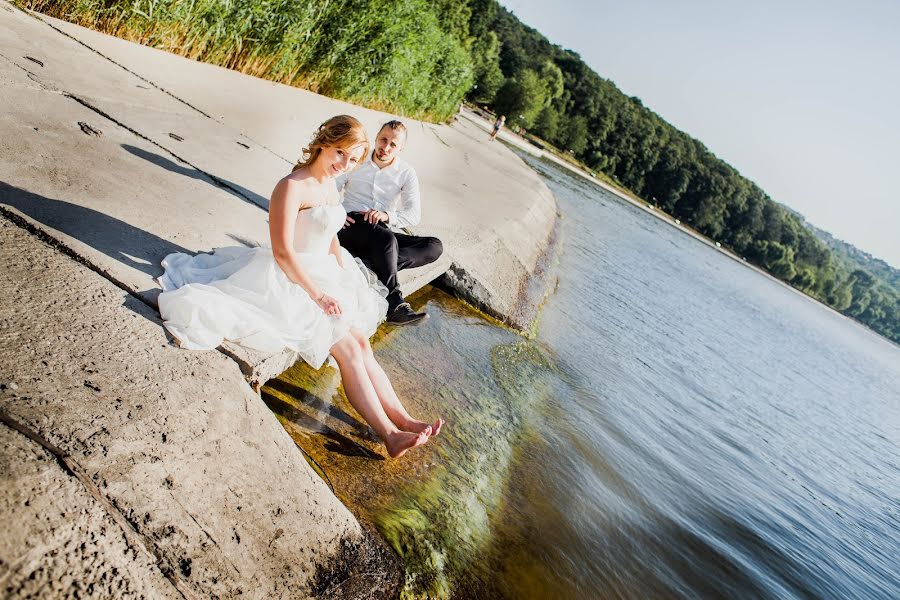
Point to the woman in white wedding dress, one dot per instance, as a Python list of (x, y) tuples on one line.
[(305, 293)]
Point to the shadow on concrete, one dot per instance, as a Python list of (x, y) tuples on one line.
[(244, 241), (116, 239), (150, 296), (238, 191), (337, 442), (139, 307)]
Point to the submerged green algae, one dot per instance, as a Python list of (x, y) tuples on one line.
[(440, 505)]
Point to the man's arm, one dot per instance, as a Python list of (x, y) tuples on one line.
[(409, 211), (341, 180)]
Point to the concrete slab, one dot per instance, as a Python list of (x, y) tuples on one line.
[(117, 200), (58, 540), (68, 67), (171, 445), (135, 153)]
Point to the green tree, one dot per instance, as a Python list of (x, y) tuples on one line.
[(573, 134), (482, 14), (776, 258), (454, 17), (670, 176), (805, 279), (861, 287), (552, 78), (486, 63), (521, 98), (547, 123)]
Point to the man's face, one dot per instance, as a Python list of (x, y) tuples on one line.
[(388, 144)]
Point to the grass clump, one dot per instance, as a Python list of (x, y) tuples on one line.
[(392, 55)]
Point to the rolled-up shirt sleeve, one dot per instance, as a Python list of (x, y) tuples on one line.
[(409, 210)]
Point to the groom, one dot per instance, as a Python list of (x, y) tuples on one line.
[(382, 197)]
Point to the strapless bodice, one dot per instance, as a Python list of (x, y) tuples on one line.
[(241, 294), (316, 227)]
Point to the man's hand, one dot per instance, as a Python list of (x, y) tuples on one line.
[(349, 221), (375, 216)]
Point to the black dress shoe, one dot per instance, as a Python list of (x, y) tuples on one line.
[(404, 315)]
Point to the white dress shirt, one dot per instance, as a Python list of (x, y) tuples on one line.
[(393, 190)]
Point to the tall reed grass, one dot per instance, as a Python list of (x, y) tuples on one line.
[(391, 55)]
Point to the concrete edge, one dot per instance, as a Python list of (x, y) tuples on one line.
[(534, 289)]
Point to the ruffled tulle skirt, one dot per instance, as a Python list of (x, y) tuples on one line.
[(241, 295)]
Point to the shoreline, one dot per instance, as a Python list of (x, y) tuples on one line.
[(524, 145), (177, 455)]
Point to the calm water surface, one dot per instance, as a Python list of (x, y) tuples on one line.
[(682, 427)]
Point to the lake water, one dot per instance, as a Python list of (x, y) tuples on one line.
[(681, 427)]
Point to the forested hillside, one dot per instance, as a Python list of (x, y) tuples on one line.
[(421, 58), (551, 92)]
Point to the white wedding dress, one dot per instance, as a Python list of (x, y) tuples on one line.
[(241, 294)]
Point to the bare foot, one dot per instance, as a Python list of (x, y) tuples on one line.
[(399, 442), (419, 426)]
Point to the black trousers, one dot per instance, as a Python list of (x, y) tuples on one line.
[(386, 252)]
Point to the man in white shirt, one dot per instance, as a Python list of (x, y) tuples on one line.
[(382, 197)]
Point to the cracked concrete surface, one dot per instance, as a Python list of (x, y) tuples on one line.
[(59, 539), (131, 465)]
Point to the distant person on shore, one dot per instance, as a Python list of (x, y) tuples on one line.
[(498, 125), (304, 293), (382, 197)]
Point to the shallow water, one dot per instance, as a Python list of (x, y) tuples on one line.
[(681, 427)]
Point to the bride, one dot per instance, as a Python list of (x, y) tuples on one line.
[(305, 293)]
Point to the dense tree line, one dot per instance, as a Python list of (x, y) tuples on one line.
[(421, 57), (555, 95)]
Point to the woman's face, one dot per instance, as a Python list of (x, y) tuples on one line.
[(339, 160)]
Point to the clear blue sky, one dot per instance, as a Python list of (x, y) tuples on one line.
[(802, 97)]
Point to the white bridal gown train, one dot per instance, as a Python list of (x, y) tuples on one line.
[(241, 294)]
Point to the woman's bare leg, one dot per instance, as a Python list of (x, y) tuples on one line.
[(362, 396), (391, 404)]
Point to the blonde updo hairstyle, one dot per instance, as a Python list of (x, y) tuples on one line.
[(343, 132)]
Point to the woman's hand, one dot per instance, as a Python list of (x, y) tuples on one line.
[(328, 304)]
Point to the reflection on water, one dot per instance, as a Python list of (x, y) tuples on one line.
[(682, 427)]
